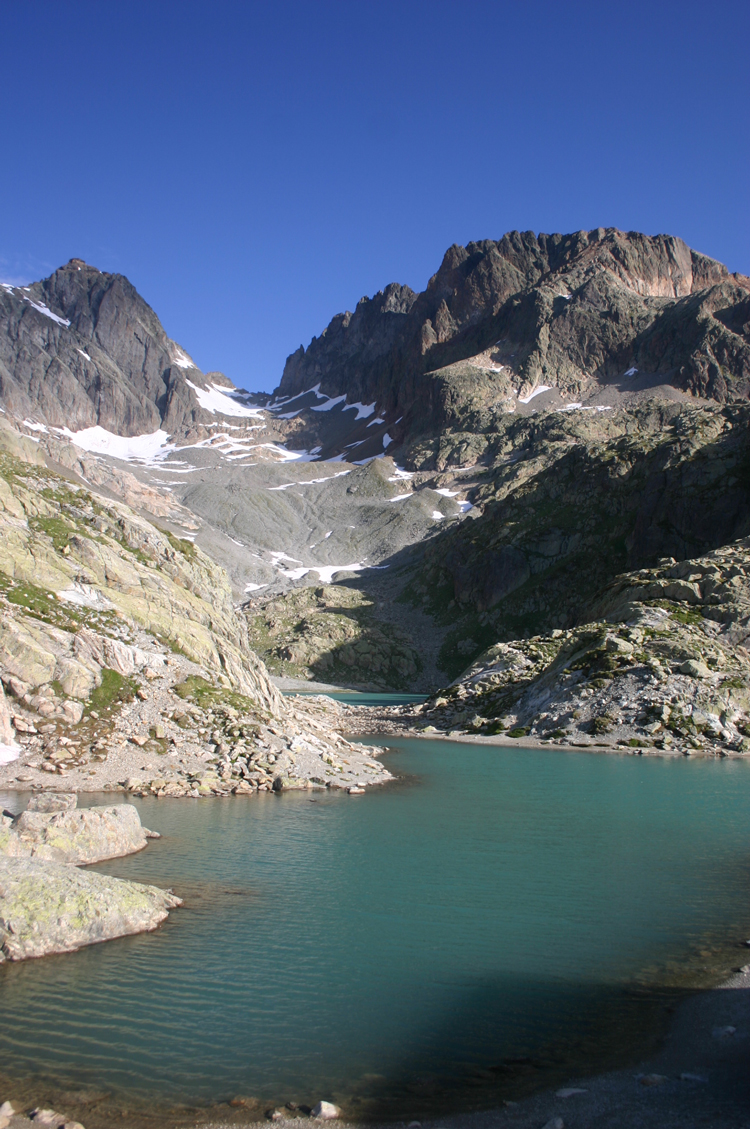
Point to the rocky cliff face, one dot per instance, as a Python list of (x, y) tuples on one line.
[(83, 348), (566, 311), (568, 500)]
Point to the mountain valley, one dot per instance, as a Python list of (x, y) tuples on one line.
[(436, 474)]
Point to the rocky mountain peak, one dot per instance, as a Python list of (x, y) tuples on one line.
[(82, 348), (568, 311)]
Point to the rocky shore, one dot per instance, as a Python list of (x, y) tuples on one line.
[(660, 668), (125, 665), (48, 905)]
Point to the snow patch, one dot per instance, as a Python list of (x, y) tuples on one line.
[(47, 312), (331, 403), (364, 411), (374, 421), (9, 753), (400, 497), (135, 448), (225, 401), (33, 425), (84, 354), (182, 360), (437, 516), (631, 372), (386, 441), (325, 572), (401, 474), (537, 391), (254, 587)]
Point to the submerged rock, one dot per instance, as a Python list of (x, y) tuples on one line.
[(47, 908)]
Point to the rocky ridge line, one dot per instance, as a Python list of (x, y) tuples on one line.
[(566, 311)]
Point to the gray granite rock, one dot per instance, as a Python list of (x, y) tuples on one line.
[(74, 837), (52, 908)]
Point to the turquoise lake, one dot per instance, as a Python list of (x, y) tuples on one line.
[(498, 919), (362, 697)]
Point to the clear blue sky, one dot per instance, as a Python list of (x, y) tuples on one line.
[(256, 168)]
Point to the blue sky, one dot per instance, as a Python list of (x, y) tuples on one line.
[(256, 168)]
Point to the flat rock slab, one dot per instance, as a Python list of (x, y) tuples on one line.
[(47, 907), (78, 836)]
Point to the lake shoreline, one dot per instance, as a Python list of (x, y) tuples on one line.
[(699, 1074), (688, 1047), (403, 730)]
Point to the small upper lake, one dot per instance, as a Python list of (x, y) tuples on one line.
[(498, 919), (362, 697)]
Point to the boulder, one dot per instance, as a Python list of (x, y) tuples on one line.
[(695, 669), (75, 837), (325, 1111), (52, 801), (51, 908)]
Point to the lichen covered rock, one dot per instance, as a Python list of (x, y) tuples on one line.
[(51, 908)]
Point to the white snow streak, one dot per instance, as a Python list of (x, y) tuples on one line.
[(310, 481), (47, 312), (539, 389)]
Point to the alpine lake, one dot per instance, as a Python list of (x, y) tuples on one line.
[(495, 921)]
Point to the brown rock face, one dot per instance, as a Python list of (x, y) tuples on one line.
[(565, 309)]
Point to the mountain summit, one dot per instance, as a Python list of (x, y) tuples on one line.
[(82, 348), (566, 312)]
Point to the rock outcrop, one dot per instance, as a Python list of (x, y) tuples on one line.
[(82, 348), (52, 908), (72, 556), (659, 662), (74, 837), (567, 501)]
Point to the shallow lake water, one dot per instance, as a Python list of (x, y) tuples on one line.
[(496, 920)]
